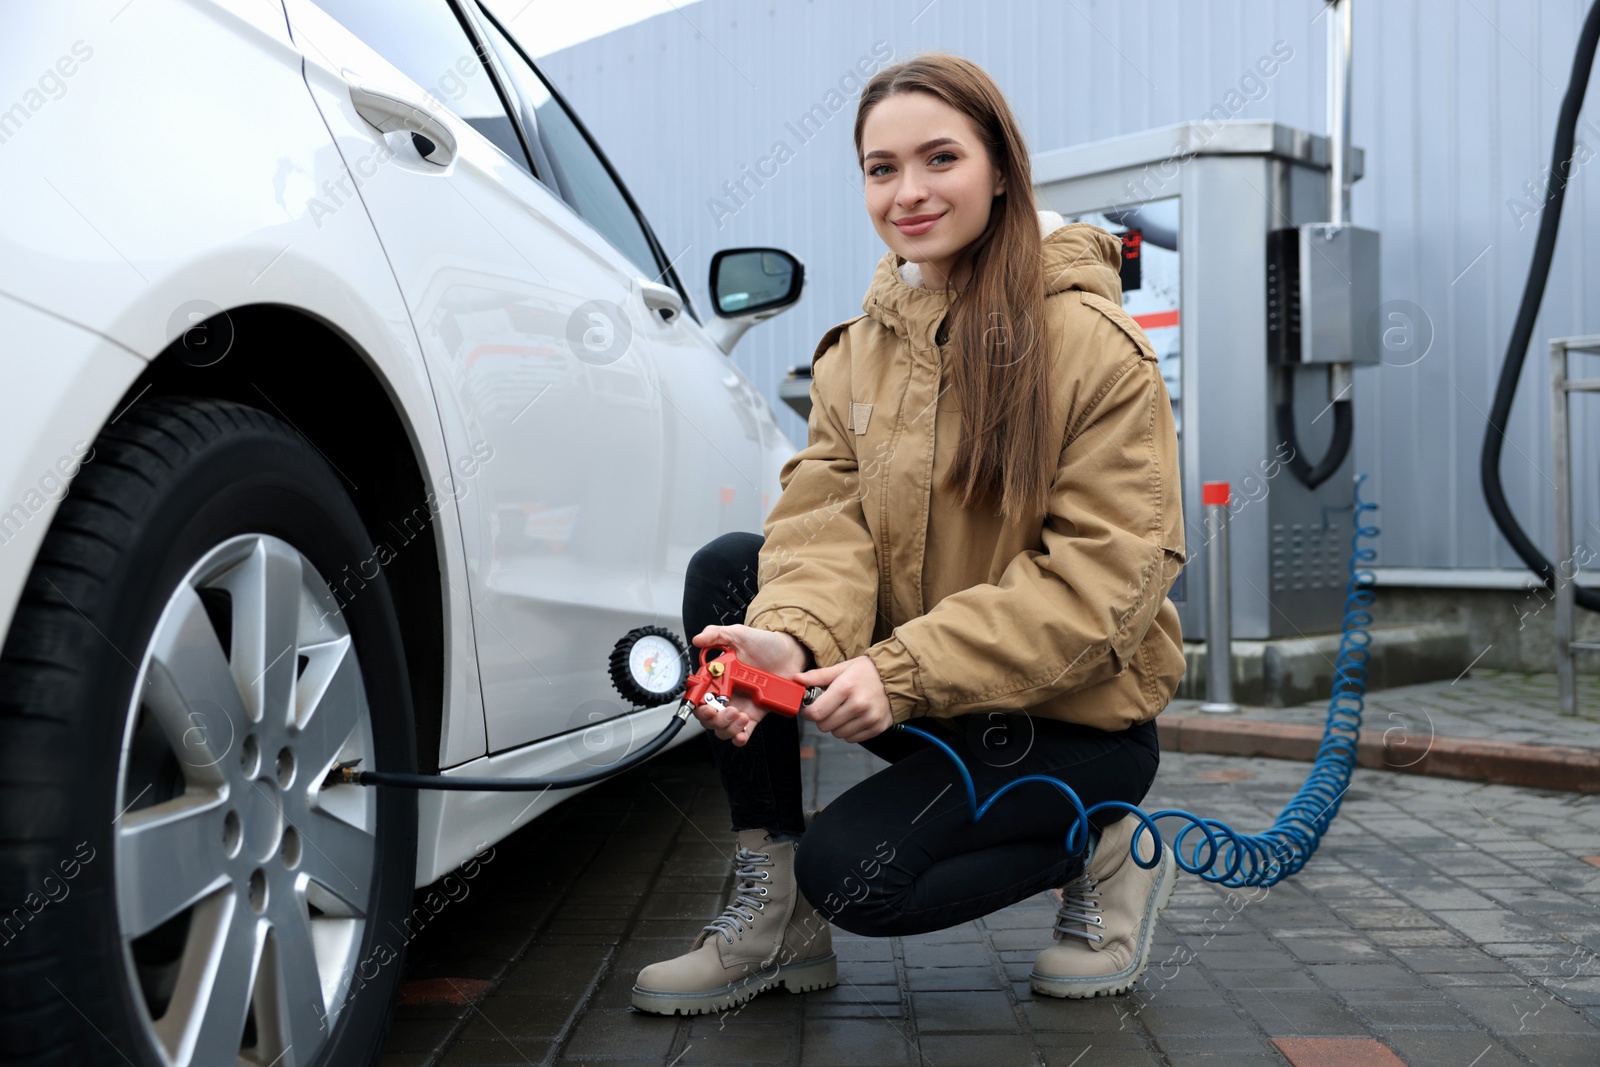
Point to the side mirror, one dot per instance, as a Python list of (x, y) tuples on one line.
[(749, 280)]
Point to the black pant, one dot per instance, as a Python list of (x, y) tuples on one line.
[(899, 853)]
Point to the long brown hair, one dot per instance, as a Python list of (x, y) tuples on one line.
[(999, 369)]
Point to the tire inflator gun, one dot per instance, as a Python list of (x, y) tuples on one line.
[(648, 667)]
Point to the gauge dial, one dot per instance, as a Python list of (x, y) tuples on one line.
[(655, 664), (649, 666)]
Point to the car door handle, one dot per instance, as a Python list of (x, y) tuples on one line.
[(660, 298), (389, 112)]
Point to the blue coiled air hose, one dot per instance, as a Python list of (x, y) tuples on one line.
[(1210, 848)]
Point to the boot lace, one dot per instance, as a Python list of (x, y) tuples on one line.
[(740, 914), (1079, 913)]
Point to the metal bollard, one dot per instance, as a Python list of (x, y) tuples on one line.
[(1219, 604)]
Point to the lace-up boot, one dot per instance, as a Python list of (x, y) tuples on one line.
[(1107, 919), (768, 935)]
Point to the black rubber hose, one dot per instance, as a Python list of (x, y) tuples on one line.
[(518, 785), (1532, 295), (1338, 448)]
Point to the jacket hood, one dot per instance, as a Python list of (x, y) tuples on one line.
[(1077, 255)]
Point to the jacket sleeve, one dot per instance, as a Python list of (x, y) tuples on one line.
[(818, 571), (1073, 614)]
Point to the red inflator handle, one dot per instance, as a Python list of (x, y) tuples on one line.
[(726, 675)]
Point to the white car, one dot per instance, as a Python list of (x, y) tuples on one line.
[(349, 409)]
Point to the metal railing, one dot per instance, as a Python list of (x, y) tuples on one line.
[(1562, 386), (1214, 498)]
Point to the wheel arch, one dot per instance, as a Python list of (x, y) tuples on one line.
[(356, 421)]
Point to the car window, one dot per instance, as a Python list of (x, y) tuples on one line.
[(425, 42), (581, 175)]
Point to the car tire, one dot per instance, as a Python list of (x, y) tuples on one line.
[(173, 874)]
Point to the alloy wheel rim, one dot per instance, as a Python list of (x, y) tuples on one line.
[(242, 884)]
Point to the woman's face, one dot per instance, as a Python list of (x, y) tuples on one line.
[(922, 158)]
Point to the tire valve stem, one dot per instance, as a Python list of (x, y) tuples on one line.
[(343, 774)]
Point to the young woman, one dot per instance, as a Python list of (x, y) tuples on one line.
[(977, 539)]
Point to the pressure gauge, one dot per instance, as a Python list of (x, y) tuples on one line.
[(649, 666)]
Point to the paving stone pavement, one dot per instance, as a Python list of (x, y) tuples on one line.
[(1517, 706), (1441, 923)]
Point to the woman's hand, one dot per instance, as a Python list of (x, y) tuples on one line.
[(855, 705), (770, 650)]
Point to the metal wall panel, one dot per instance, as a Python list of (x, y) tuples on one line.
[(1454, 104)]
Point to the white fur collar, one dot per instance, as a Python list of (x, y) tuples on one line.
[(1049, 221)]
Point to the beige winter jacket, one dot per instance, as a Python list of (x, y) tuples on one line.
[(1066, 615)]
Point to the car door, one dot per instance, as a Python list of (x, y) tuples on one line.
[(534, 331), (716, 428)]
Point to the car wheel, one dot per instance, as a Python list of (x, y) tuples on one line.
[(177, 885)]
